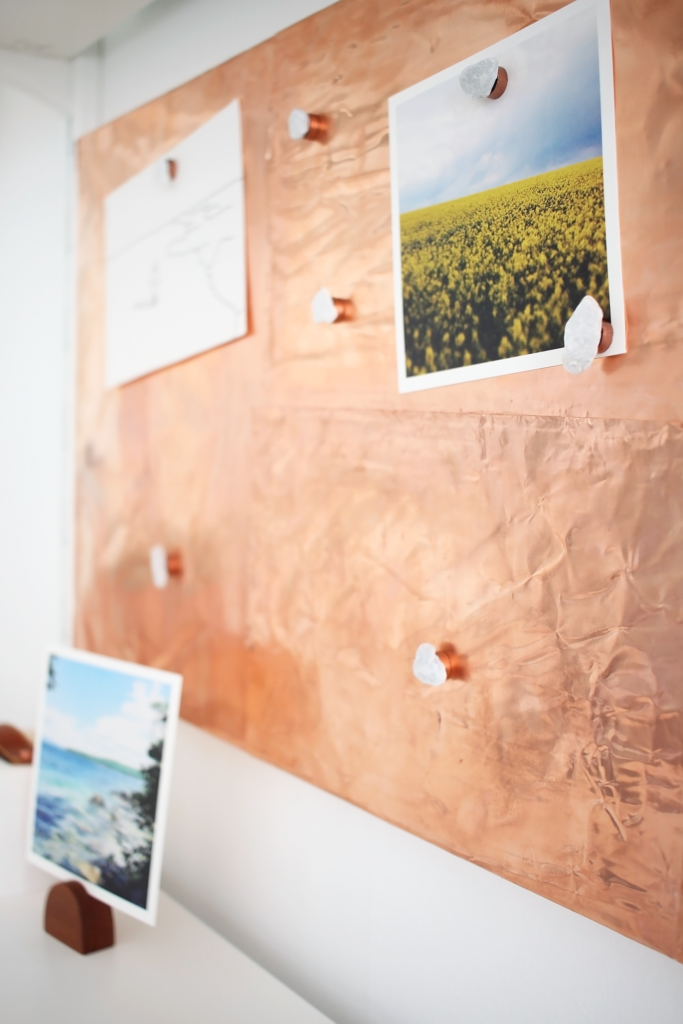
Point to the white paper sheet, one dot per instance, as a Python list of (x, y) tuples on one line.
[(175, 254)]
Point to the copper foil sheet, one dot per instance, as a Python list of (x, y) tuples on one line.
[(549, 551), (330, 208), (328, 525)]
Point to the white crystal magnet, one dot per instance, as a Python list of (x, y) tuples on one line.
[(314, 127), (158, 565), (428, 667), (585, 334), (328, 310), (163, 564), (299, 124), (484, 80)]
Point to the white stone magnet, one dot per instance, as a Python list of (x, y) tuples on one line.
[(428, 667), (582, 335)]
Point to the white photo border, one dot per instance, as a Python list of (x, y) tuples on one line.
[(552, 357), (174, 681)]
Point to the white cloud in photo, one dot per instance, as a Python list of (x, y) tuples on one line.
[(124, 737), (450, 145)]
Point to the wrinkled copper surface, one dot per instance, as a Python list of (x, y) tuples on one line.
[(551, 550), (329, 525)]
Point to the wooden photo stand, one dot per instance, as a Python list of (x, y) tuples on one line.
[(77, 919)]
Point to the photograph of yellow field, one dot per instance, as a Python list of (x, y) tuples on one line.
[(499, 273), (504, 211)]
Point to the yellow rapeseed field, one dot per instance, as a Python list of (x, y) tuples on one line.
[(499, 273)]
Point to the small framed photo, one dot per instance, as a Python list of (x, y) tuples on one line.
[(504, 202), (101, 776)]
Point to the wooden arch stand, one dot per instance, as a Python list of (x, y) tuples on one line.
[(77, 919)]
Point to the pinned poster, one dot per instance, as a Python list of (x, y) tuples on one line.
[(175, 254), (504, 203)]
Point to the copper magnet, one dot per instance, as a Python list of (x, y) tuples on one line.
[(500, 85), (606, 336), (163, 564), (319, 130), (586, 335), (326, 309), (312, 127), (344, 309), (174, 562), (454, 663)]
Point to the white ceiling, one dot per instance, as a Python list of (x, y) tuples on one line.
[(60, 28)]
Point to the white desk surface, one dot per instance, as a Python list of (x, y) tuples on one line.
[(180, 972)]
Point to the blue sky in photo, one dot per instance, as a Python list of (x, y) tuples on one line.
[(450, 145), (102, 712), (87, 692)]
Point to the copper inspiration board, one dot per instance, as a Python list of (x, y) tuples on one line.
[(328, 525)]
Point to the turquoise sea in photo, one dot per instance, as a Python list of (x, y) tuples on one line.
[(81, 817)]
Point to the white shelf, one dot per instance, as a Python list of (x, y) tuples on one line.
[(180, 972), (16, 874)]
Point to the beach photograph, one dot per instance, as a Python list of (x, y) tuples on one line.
[(99, 765), (501, 203)]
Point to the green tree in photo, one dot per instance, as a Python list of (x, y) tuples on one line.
[(131, 881)]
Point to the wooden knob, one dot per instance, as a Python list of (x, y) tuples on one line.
[(14, 746), (313, 127)]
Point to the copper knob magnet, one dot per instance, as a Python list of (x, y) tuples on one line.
[(606, 336), (164, 564), (174, 562), (454, 663), (319, 130), (500, 85), (312, 127), (344, 309), (433, 667), (326, 309)]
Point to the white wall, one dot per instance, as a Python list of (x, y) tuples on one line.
[(45, 80), (34, 189), (16, 874), (367, 922), (167, 44)]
